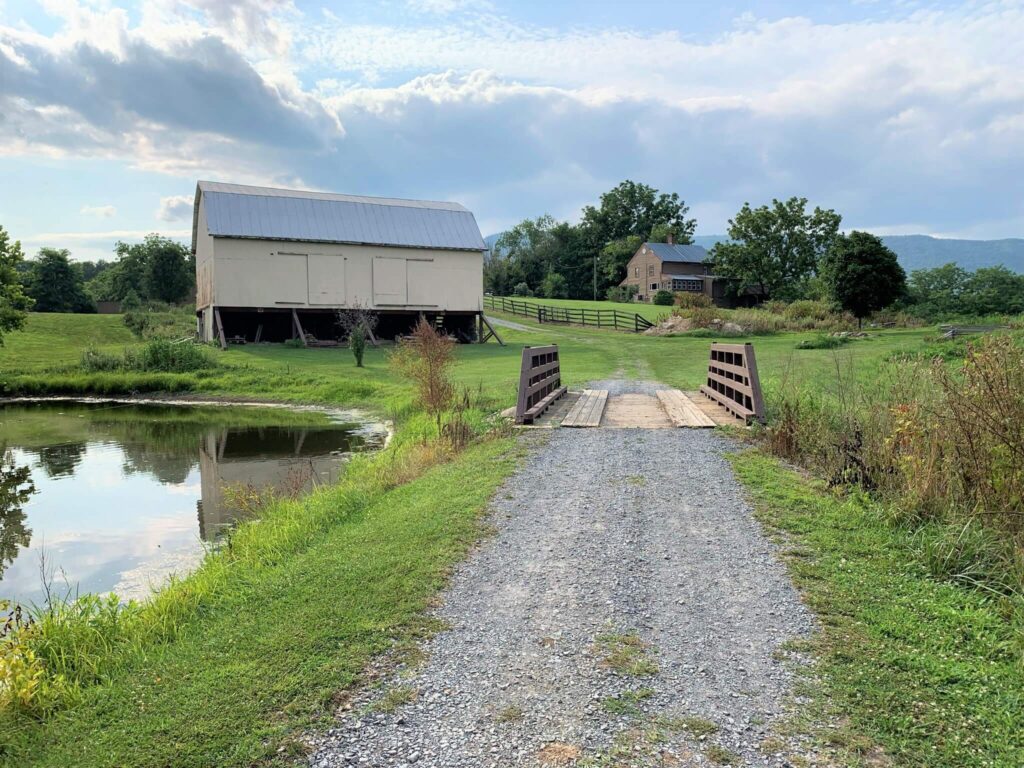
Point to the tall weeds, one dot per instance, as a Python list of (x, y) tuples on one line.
[(942, 442)]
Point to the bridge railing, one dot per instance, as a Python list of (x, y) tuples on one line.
[(547, 313), (540, 382), (732, 381)]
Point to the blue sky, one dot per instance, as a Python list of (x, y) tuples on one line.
[(903, 116)]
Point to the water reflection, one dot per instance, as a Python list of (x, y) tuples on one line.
[(119, 496), (16, 488)]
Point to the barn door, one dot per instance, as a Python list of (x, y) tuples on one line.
[(389, 282), (424, 281), (326, 276)]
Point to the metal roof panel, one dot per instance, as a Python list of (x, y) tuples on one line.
[(234, 210)]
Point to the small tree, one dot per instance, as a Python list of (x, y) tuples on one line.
[(427, 357), (663, 298), (862, 275), (356, 323), (554, 286), (522, 289)]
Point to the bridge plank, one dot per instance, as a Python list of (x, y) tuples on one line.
[(587, 411), (682, 411)]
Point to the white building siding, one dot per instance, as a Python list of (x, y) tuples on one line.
[(267, 273)]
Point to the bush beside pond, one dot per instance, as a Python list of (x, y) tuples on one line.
[(157, 356)]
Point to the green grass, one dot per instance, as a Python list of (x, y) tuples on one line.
[(652, 312), (284, 636), (50, 340), (626, 654), (928, 670), (328, 376)]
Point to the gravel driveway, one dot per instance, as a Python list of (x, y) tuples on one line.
[(628, 611)]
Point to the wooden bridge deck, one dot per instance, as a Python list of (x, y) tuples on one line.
[(669, 409)]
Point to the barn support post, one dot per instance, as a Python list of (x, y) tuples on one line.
[(220, 328), (298, 326), (483, 321)]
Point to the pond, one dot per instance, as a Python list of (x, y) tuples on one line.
[(116, 496)]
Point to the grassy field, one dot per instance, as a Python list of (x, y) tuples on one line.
[(328, 375), (652, 312), (268, 637), (51, 340)]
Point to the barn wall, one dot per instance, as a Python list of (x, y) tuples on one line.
[(266, 273), (204, 262)]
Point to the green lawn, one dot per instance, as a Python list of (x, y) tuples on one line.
[(652, 312), (50, 340), (328, 376)]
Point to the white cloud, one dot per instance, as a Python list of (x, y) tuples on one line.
[(175, 208), (99, 211), (912, 120)]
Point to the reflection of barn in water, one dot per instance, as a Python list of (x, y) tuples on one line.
[(287, 458)]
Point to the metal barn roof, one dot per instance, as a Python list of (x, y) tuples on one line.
[(265, 213), (667, 252)]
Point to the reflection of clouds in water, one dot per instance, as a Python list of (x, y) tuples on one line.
[(193, 490), (97, 562), (138, 583)]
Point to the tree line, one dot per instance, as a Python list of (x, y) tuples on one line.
[(157, 270), (782, 251)]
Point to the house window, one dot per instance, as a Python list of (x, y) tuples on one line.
[(694, 286), (650, 270), (636, 271), (654, 286)]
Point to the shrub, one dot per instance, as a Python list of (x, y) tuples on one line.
[(689, 300), (621, 293), (173, 357), (357, 340), (808, 310), (426, 357), (663, 298), (823, 341), (521, 289), (158, 355)]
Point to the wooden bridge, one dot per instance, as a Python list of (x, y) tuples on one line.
[(731, 395)]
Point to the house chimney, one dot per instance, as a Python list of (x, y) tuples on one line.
[(671, 239)]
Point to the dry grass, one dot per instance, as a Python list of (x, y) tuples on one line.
[(557, 753)]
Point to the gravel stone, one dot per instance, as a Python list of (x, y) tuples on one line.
[(602, 532)]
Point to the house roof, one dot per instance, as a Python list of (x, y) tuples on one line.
[(684, 277), (265, 213), (667, 252)]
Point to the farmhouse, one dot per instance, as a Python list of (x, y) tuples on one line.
[(275, 264), (670, 267)]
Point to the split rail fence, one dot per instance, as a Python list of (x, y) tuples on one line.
[(546, 313)]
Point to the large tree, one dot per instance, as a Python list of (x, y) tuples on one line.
[(55, 284), (14, 302), (939, 291), (774, 250), (157, 269), (862, 275), (994, 291), (636, 209)]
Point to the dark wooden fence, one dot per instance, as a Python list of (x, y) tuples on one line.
[(540, 382), (546, 313), (733, 381)]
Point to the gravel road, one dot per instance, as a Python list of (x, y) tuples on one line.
[(628, 611)]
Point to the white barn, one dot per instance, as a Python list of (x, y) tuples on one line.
[(273, 264)]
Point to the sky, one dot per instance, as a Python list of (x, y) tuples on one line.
[(905, 117)]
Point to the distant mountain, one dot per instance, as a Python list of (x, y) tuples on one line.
[(923, 251), (926, 252)]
